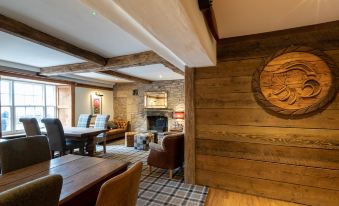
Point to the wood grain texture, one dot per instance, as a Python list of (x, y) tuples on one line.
[(114, 63), (321, 158), (296, 137), (79, 173), (26, 32), (189, 127), (324, 36), (243, 147), (301, 175), (217, 197), (270, 189)]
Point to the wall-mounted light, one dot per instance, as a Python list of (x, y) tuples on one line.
[(178, 115)]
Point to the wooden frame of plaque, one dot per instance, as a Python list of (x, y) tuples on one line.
[(295, 81)]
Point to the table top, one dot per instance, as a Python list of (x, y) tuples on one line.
[(79, 173), (79, 131)]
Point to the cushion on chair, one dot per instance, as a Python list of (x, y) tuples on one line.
[(43, 191)]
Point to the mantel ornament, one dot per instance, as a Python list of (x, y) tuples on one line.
[(295, 81)]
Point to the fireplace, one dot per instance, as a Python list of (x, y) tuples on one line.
[(158, 123)]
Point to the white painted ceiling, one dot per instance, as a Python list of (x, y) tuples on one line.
[(73, 22), (18, 50), (244, 17), (154, 72), (102, 77)]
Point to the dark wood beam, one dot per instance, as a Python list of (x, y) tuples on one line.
[(114, 63), (24, 31), (125, 76), (323, 36), (34, 76)]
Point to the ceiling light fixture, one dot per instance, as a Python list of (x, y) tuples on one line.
[(94, 13), (160, 76)]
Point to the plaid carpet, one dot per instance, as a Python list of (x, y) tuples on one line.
[(157, 188)]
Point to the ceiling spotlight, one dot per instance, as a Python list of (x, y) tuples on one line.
[(94, 13), (160, 76)]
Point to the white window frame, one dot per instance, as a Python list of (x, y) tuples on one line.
[(13, 106)]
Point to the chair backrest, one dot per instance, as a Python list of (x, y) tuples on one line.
[(173, 144), (31, 126), (22, 152), (101, 122), (55, 134), (42, 191), (84, 120), (122, 189)]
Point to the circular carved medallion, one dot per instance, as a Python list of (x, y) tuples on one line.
[(295, 81)]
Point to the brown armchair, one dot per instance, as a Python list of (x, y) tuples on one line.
[(167, 155)]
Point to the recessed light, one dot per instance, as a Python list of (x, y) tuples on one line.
[(160, 76), (94, 13)]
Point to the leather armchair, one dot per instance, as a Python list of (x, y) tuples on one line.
[(167, 155)]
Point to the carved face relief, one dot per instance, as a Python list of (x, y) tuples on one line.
[(294, 83)]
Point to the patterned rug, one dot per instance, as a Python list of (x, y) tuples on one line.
[(157, 188)]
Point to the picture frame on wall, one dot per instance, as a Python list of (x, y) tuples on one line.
[(96, 104)]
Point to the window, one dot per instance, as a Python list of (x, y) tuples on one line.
[(25, 99)]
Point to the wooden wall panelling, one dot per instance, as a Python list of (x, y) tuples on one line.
[(323, 158), (189, 126), (294, 174), (297, 137)]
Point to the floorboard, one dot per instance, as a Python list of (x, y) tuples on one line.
[(217, 197)]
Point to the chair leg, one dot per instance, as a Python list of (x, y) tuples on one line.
[(104, 145), (170, 173), (82, 150), (52, 154), (71, 151), (149, 169)]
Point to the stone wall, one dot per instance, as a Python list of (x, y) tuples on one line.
[(131, 107)]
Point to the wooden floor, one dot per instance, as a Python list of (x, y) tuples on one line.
[(217, 197)]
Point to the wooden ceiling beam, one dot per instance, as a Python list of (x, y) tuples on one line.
[(114, 63), (125, 76), (24, 31)]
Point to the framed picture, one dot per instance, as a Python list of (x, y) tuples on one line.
[(96, 104), (154, 100)]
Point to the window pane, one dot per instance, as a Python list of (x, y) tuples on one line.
[(5, 92), (6, 119), (28, 94), (50, 95), (37, 112), (50, 112)]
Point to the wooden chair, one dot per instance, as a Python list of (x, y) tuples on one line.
[(101, 122), (84, 120), (22, 152), (56, 137), (31, 126), (43, 191), (121, 190)]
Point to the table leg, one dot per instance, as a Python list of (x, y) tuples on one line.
[(90, 146)]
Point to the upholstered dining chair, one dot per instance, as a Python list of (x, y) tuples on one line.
[(121, 190), (84, 120), (43, 191), (31, 126), (56, 137), (22, 152), (101, 123)]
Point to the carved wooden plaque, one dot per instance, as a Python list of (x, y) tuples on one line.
[(295, 81)]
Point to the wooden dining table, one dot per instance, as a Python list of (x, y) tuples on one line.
[(86, 135), (82, 177)]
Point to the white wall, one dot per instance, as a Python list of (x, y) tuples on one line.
[(83, 101)]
